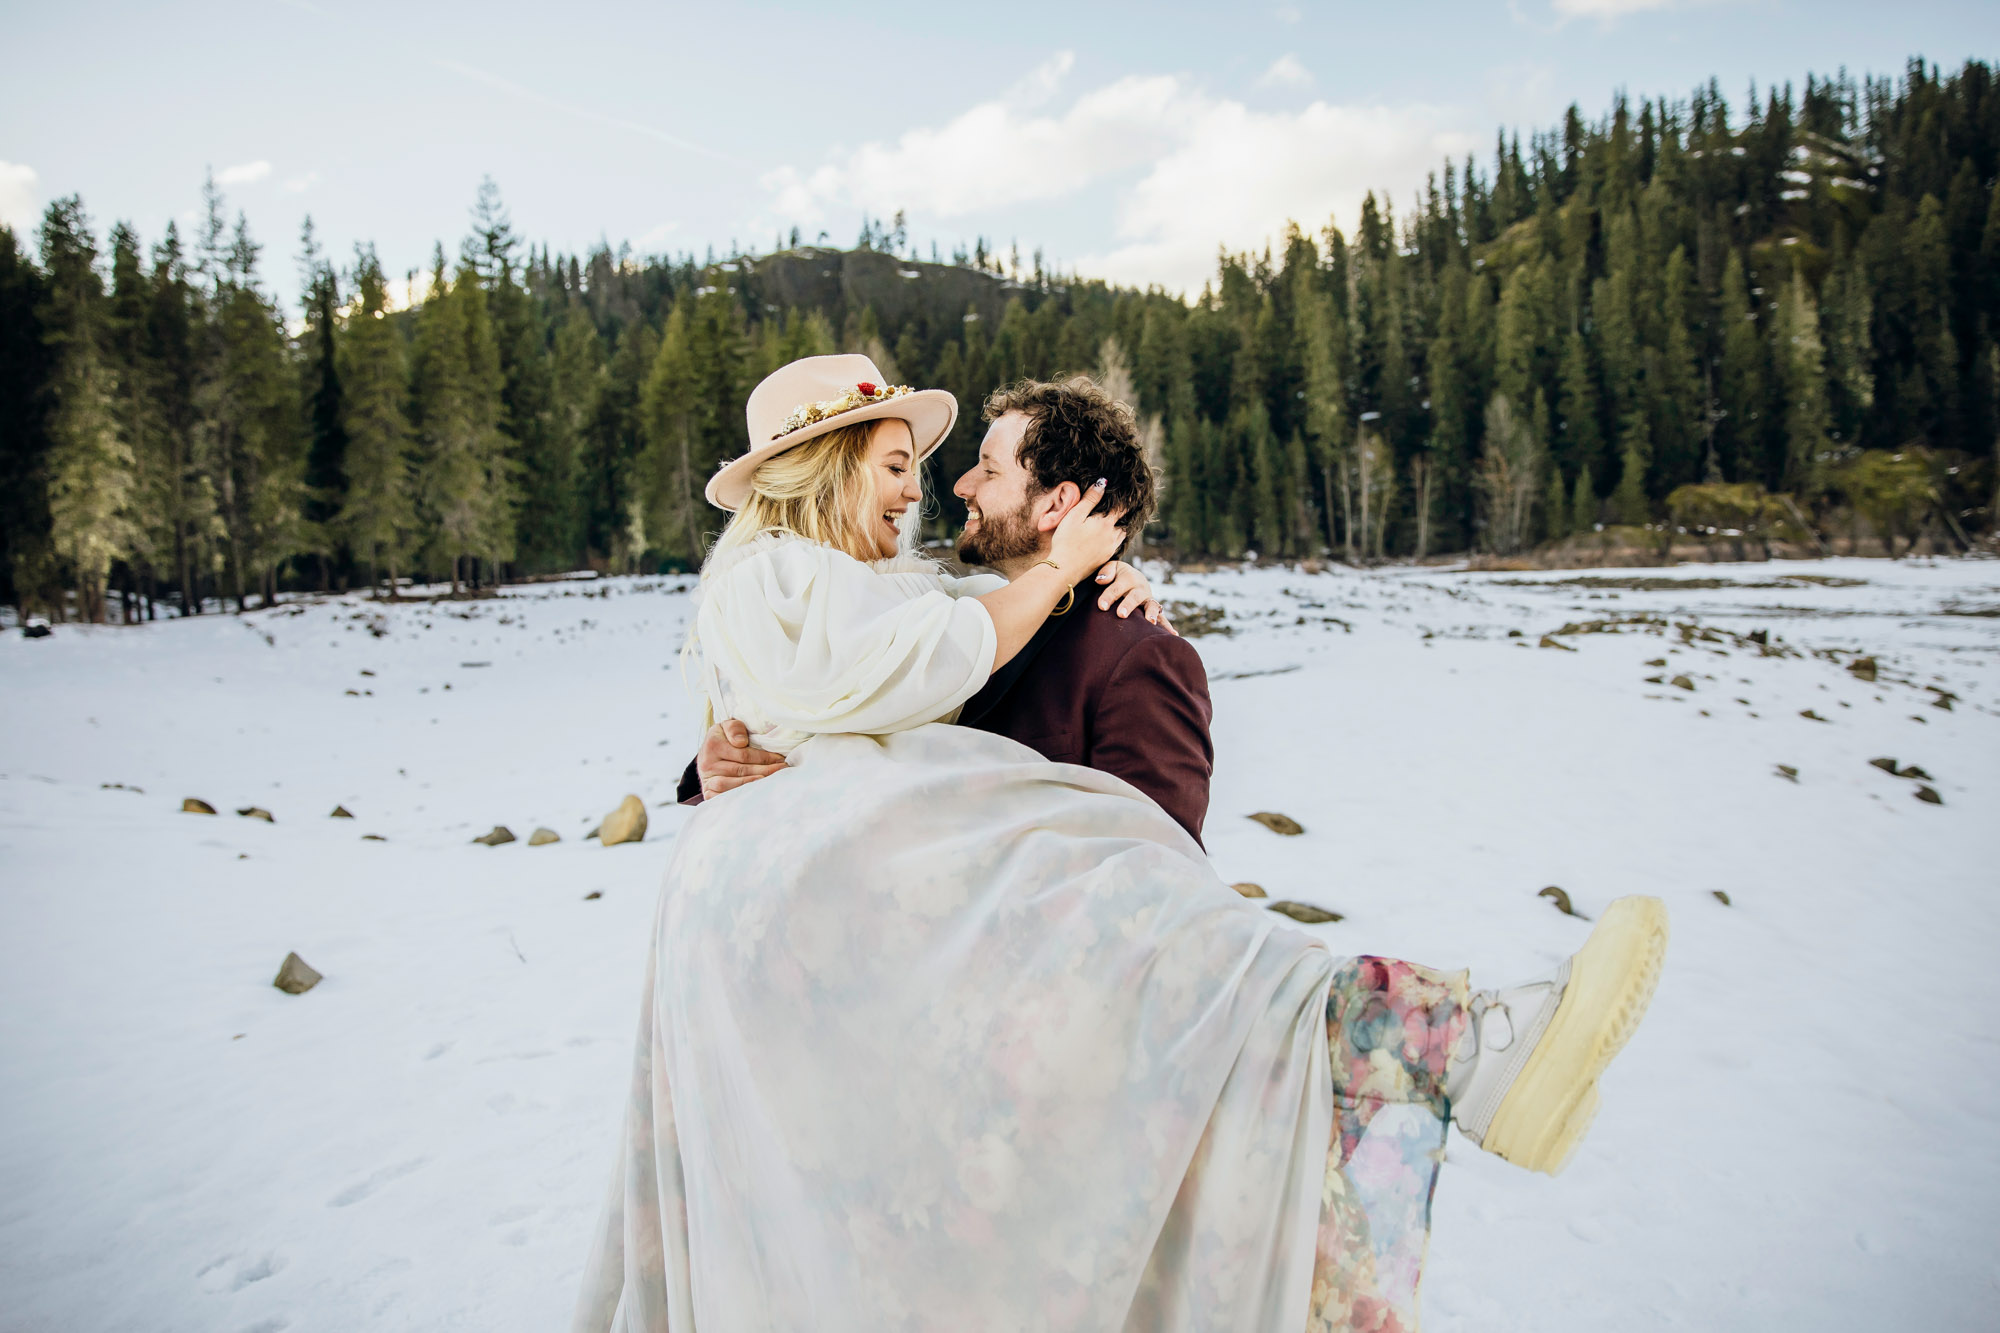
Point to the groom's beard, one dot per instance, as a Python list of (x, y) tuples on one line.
[(1000, 539)]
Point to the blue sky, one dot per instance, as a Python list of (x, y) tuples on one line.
[(1126, 141)]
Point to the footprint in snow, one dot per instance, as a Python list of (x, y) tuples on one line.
[(234, 1272), (356, 1193)]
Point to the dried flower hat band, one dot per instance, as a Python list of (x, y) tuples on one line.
[(861, 395)]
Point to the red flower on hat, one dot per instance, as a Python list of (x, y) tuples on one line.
[(867, 389)]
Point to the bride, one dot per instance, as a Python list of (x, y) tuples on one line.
[(937, 1034)]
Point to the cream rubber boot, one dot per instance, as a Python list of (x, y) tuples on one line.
[(1523, 1083)]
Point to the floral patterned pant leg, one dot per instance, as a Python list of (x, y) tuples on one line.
[(1390, 1028)]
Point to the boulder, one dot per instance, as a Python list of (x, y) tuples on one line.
[(500, 834), (542, 837), (1250, 890), (1886, 765), (1283, 824), (1681, 683), (1305, 913), (373, 837), (257, 812), (1787, 772), (194, 805), (1720, 897), (1929, 796), (625, 824), (1862, 668), (295, 976), (1548, 642)]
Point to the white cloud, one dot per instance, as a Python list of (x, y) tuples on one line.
[(1241, 175), (1185, 171), (243, 173), (1607, 9), (20, 200), (996, 154), (1285, 72), (300, 184)]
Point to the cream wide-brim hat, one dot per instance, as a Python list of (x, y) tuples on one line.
[(818, 394)]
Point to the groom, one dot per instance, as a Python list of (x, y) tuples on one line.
[(1116, 694)]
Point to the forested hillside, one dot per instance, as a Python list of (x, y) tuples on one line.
[(1778, 318)]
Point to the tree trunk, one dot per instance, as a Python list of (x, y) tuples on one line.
[(185, 562), (1326, 480), (1347, 515)]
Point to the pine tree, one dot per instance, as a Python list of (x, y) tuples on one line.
[(1628, 500), (254, 411), (1847, 312), (89, 466), (326, 448), (1678, 409), (1581, 442), (1742, 377), (1800, 360), (452, 471), (378, 517), (671, 410), (486, 386), (26, 562), (1583, 504), (137, 404), (1555, 508)]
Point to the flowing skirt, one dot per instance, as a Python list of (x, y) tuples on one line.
[(939, 1035)]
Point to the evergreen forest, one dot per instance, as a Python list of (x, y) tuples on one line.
[(1778, 319)]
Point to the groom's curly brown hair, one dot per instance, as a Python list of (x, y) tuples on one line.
[(1077, 432)]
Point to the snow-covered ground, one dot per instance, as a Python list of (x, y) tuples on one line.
[(1801, 1136)]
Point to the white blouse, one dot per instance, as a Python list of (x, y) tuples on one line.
[(797, 639)]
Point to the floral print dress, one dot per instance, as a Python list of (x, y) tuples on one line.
[(938, 1035)]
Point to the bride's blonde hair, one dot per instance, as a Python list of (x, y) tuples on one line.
[(819, 491)]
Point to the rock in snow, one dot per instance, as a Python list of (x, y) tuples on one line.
[(625, 824), (1249, 890), (542, 837), (501, 833), (194, 805), (1561, 899), (1305, 913), (1285, 824), (256, 812), (296, 976), (341, 812)]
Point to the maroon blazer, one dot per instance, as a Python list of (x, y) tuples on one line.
[(1121, 696)]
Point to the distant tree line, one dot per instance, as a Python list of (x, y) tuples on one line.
[(1676, 315)]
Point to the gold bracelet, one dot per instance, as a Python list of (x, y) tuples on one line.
[(1069, 593)]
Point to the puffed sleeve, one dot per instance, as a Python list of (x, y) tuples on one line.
[(972, 585), (820, 643)]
